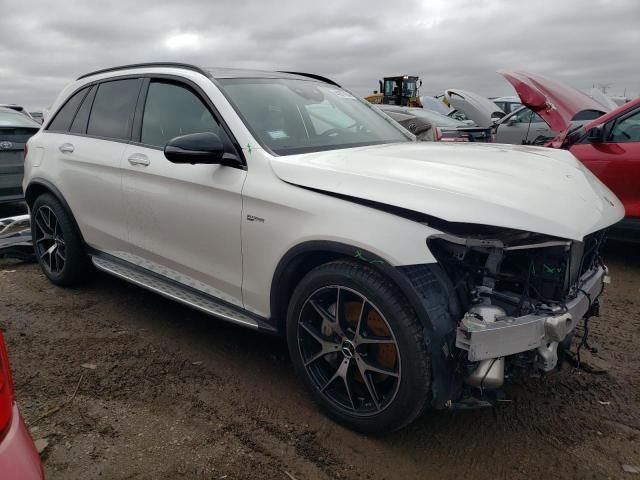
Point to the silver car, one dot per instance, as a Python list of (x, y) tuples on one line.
[(523, 127)]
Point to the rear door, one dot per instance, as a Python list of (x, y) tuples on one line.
[(183, 220), (522, 127), (88, 137), (616, 161)]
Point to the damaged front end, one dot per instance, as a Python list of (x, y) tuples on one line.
[(523, 294)]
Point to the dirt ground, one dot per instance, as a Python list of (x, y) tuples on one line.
[(165, 392)]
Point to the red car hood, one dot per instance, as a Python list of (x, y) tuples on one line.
[(555, 102)]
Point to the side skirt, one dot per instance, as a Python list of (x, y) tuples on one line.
[(180, 293)]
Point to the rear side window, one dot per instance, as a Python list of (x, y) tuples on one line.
[(113, 108), (64, 117), (172, 110), (79, 124)]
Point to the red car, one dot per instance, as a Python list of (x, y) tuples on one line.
[(609, 145), (19, 459)]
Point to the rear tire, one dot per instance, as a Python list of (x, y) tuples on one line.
[(58, 245), (367, 367)]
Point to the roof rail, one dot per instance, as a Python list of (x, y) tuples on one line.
[(149, 64), (314, 76)]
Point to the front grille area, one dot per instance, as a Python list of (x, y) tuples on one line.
[(523, 279)]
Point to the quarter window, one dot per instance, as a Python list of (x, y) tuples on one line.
[(64, 117), (113, 107), (172, 110)]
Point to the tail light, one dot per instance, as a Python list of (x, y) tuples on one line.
[(6, 390)]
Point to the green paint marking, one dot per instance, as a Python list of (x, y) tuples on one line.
[(360, 256), (249, 148), (548, 269)]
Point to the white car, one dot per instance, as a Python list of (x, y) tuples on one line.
[(403, 274)]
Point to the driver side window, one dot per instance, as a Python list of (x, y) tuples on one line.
[(526, 115), (626, 130), (172, 110)]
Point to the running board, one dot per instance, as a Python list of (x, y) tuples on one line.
[(178, 292)]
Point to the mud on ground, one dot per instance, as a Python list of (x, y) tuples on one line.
[(169, 393)]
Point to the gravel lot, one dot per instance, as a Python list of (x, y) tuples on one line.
[(165, 392)]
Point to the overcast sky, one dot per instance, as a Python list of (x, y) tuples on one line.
[(449, 43)]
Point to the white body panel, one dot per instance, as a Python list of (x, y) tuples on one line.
[(191, 221), (93, 168), (527, 188), (186, 218)]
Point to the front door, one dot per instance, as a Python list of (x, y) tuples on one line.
[(183, 220)]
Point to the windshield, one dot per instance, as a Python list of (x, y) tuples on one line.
[(289, 116)]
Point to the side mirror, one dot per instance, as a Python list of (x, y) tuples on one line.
[(595, 135), (195, 148)]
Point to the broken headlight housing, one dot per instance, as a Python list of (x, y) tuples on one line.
[(522, 272)]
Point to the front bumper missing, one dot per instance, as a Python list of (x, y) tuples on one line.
[(509, 335)]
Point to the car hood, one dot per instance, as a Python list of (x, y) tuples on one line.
[(602, 99), (555, 102), (475, 107), (527, 188)]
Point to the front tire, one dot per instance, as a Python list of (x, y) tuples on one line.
[(58, 245), (358, 347)]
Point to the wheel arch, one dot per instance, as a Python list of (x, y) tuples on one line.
[(304, 257), (40, 186), (415, 282)]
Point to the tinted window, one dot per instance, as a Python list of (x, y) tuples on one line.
[(172, 110), (113, 107), (627, 129), (79, 124), (63, 118), (587, 115)]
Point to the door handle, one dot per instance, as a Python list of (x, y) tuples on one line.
[(139, 159), (66, 148)]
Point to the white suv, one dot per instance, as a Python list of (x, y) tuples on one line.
[(403, 274)]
